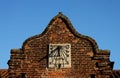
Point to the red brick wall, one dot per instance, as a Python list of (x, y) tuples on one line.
[(4, 73), (86, 58)]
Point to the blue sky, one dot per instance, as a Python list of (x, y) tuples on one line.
[(21, 19)]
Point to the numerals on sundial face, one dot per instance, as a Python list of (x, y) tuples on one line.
[(59, 55)]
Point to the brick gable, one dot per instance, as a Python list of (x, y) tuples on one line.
[(87, 60)]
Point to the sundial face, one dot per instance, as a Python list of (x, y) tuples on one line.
[(59, 56)]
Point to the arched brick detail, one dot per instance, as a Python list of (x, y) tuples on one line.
[(70, 27)]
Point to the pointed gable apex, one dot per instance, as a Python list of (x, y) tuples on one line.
[(69, 26)]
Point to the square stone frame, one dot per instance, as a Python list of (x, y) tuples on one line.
[(65, 47)]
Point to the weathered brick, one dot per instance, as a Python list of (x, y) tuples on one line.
[(87, 60)]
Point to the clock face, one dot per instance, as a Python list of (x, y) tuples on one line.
[(59, 56)]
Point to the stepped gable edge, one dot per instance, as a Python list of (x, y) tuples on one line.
[(70, 27)]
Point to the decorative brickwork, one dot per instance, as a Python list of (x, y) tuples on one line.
[(87, 60)]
